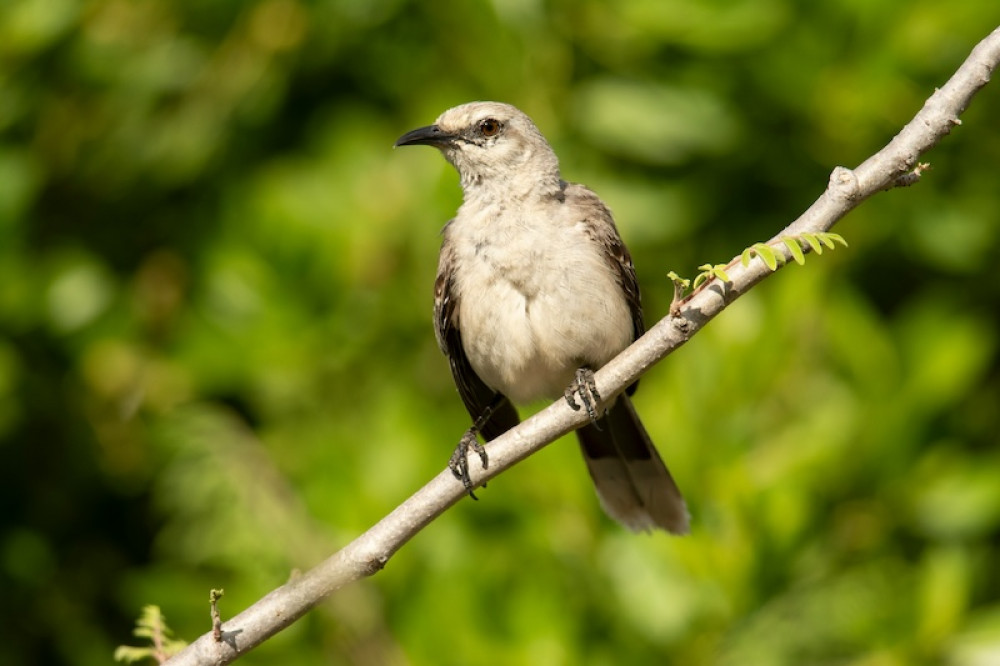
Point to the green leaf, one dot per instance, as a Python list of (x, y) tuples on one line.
[(678, 280), (709, 271), (747, 256), (813, 241), (767, 255), (793, 246), (152, 625), (836, 238), (130, 655)]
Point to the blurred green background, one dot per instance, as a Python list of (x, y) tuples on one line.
[(217, 363)]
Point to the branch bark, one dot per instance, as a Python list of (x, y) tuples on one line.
[(894, 165)]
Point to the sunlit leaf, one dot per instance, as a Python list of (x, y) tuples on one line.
[(767, 255), (677, 279), (796, 250), (813, 241), (837, 238)]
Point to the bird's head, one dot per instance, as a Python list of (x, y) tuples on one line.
[(492, 145)]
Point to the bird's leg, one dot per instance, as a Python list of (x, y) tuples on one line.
[(459, 462), (584, 387)]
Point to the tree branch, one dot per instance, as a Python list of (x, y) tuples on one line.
[(895, 165)]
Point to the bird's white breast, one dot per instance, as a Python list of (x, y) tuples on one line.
[(537, 300)]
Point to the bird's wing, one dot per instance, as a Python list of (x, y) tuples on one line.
[(477, 396), (601, 227)]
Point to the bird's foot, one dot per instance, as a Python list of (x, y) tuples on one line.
[(584, 387), (459, 462)]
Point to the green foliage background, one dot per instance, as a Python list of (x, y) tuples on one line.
[(217, 364)]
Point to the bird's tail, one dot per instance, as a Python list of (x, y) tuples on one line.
[(632, 482)]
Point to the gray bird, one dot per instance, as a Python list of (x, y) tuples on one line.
[(535, 290)]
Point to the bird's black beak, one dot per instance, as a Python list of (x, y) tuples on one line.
[(432, 135)]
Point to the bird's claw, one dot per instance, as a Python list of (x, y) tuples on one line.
[(459, 462), (584, 387)]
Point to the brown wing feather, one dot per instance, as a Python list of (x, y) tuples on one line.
[(601, 226)]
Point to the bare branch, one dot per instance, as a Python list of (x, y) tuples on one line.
[(894, 165)]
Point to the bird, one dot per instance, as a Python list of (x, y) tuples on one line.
[(535, 290)]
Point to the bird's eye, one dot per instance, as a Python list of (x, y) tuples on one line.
[(489, 127)]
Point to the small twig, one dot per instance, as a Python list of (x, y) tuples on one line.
[(213, 600), (680, 286), (159, 650)]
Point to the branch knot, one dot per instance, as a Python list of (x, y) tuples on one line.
[(844, 184)]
